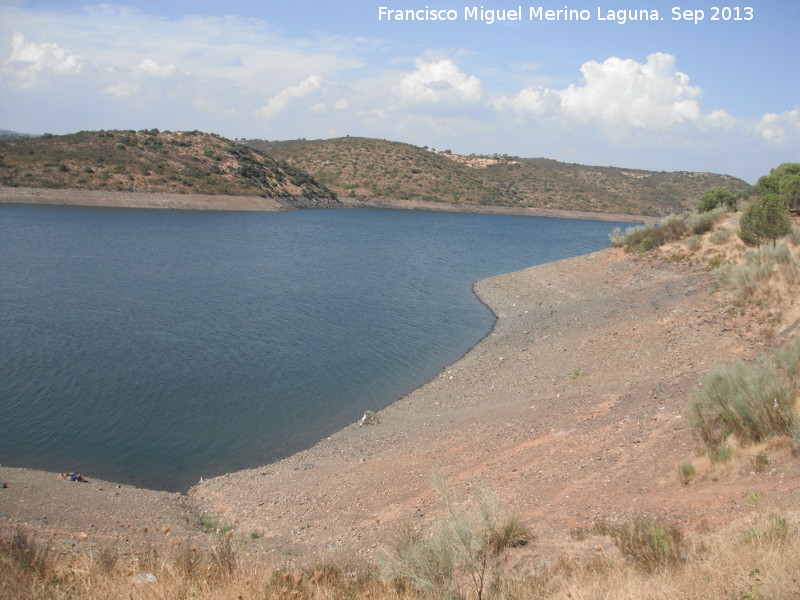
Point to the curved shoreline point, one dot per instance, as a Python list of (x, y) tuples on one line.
[(571, 409), (173, 201)]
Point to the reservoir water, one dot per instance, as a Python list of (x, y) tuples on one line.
[(155, 347)]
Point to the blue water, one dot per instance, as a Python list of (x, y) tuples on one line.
[(155, 347)]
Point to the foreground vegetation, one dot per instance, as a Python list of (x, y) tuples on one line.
[(758, 557)]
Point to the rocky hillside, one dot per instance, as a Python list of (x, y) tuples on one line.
[(152, 161), (373, 168)]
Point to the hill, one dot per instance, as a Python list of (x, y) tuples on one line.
[(371, 168), (6, 134), (152, 161)]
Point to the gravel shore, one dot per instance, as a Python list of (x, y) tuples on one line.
[(571, 410)]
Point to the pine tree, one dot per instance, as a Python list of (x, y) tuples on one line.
[(764, 220)]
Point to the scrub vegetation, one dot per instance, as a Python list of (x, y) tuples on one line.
[(746, 410), (151, 161), (756, 557), (372, 168)]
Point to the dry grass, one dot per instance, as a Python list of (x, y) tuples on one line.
[(756, 557)]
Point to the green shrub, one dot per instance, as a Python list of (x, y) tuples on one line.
[(644, 238), (693, 242), (699, 223), (720, 453), (686, 471), (720, 236), (715, 198), (462, 550), (746, 279), (751, 401), (649, 544)]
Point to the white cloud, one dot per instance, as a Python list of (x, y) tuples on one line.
[(280, 101), (29, 61), (626, 93), (781, 127), (150, 67), (620, 94), (536, 100), (720, 119), (130, 82), (121, 89), (440, 81)]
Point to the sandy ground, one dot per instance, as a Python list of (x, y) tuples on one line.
[(571, 410)]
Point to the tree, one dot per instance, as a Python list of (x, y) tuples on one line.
[(789, 190), (784, 181), (764, 220), (718, 196)]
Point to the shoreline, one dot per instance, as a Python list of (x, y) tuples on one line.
[(174, 201), (571, 409)]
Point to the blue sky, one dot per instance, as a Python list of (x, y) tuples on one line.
[(714, 95)]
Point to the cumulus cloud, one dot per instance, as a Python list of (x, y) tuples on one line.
[(653, 95), (622, 94), (720, 119), (280, 101), (536, 100), (781, 127), (29, 61), (440, 81)]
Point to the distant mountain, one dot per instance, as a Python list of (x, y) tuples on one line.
[(6, 134), (373, 168), (153, 161)]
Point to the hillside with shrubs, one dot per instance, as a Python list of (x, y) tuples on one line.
[(356, 167), (151, 161)]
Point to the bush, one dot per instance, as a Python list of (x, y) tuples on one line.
[(671, 228), (686, 472), (751, 401), (718, 197), (463, 548), (699, 223), (746, 279), (758, 268), (720, 236), (649, 544), (693, 242)]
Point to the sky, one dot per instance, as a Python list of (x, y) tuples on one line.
[(692, 87)]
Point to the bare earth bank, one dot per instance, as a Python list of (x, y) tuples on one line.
[(572, 409), (75, 197)]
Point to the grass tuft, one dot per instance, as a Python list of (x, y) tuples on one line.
[(650, 545)]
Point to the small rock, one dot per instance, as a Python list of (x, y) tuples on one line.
[(369, 418), (143, 578)]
